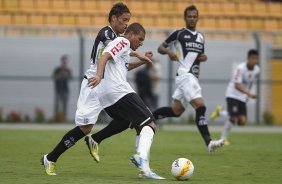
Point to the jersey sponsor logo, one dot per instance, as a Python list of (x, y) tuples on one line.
[(119, 46), (194, 47)]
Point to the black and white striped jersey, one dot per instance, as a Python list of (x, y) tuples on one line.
[(104, 35), (188, 45)]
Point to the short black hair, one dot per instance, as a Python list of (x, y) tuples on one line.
[(118, 9), (136, 28), (253, 52), (190, 8)]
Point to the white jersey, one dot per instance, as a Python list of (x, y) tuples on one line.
[(114, 85), (245, 77)]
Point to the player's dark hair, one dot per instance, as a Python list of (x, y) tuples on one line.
[(253, 52), (135, 28), (190, 8), (118, 9)]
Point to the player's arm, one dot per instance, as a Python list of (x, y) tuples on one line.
[(202, 57), (241, 88), (94, 81), (164, 49), (142, 59)]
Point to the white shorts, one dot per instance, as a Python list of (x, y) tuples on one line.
[(88, 105), (187, 89)]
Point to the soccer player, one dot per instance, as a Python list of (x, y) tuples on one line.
[(118, 98), (237, 94), (88, 105), (189, 46)]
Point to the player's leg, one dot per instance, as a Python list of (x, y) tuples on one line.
[(88, 109), (235, 111), (175, 110), (131, 108)]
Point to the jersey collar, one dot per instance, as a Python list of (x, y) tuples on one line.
[(113, 31)]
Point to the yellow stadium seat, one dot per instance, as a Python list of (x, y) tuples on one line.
[(256, 24), (100, 20), (168, 7), (11, 4), (59, 5), (68, 19), (5, 19), (214, 8), (225, 23), (43, 5), (177, 22), (241, 23), (37, 19), (89, 5), (163, 22), (20, 19), (53, 19), (152, 7), (136, 7), (245, 9), (209, 22), (27, 5), (74, 6), (148, 21), (260, 9), (275, 9), (84, 20), (229, 8), (272, 24), (104, 5)]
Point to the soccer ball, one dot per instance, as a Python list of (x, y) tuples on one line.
[(182, 169)]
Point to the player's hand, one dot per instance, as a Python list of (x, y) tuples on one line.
[(94, 81), (172, 56), (250, 95), (149, 54), (202, 57), (145, 59)]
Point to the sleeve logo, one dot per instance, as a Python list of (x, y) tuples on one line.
[(119, 46)]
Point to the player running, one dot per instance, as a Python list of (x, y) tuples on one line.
[(88, 105), (118, 98), (189, 45), (237, 94)]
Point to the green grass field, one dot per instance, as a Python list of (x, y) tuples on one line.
[(251, 158)]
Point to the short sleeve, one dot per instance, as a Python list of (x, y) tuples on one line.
[(118, 48), (106, 34), (172, 37), (237, 75)]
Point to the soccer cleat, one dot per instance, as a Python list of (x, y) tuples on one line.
[(93, 147), (213, 145), (49, 166), (226, 142), (145, 171), (135, 160), (216, 112)]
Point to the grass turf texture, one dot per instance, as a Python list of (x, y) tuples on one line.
[(251, 158)]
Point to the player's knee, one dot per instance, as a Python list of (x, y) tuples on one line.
[(86, 129), (177, 112), (242, 122), (201, 110)]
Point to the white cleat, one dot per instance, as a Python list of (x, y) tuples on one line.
[(213, 145), (48, 165), (145, 171)]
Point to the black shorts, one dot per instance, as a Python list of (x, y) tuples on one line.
[(131, 109), (236, 107)]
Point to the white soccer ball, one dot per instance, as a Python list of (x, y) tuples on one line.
[(182, 169)]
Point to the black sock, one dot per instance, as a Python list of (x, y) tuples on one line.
[(164, 112), (114, 127), (67, 141), (202, 124)]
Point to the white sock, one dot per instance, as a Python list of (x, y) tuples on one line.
[(224, 114), (137, 142), (145, 142), (226, 129)]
